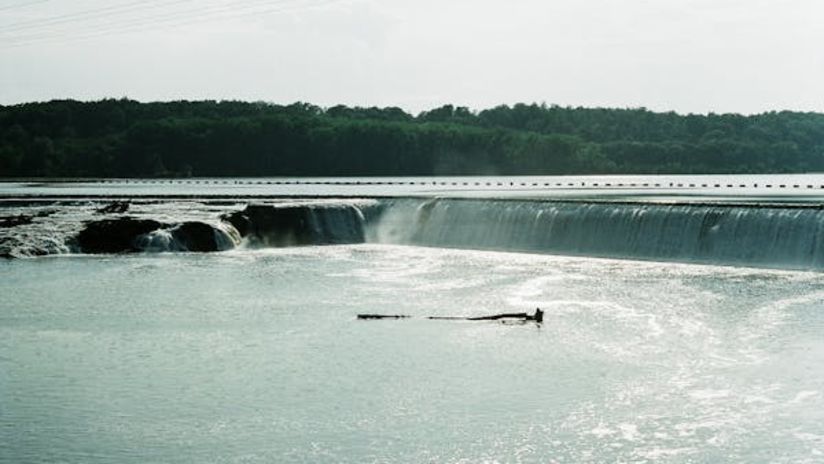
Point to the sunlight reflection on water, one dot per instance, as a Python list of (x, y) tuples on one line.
[(256, 356)]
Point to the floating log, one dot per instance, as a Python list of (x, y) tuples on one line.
[(497, 317), (537, 317), (382, 316)]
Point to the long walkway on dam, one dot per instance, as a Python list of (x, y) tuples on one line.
[(802, 188)]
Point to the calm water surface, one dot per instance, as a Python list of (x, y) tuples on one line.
[(256, 356)]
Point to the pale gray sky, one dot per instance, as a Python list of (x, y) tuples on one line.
[(684, 55)]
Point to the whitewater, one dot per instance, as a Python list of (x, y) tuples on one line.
[(216, 320)]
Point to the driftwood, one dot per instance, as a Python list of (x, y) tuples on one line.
[(382, 316), (537, 317), (497, 317)]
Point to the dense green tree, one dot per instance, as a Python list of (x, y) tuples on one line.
[(65, 138)]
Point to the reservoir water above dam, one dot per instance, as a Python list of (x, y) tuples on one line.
[(215, 320)]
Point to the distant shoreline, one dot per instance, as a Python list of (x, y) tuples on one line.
[(66, 139)]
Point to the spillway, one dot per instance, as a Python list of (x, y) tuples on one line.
[(756, 234), (780, 236)]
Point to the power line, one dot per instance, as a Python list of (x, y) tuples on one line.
[(215, 12), (115, 21), (22, 5), (130, 21), (176, 19), (84, 15)]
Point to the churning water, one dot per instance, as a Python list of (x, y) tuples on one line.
[(255, 354)]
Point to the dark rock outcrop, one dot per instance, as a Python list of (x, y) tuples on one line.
[(271, 225), (5, 248), (196, 236), (20, 246), (114, 235), (128, 234), (14, 221), (115, 207)]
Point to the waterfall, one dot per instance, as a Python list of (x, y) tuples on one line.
[(752, 235)]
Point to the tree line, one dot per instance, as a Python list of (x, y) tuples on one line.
[(125, 138)]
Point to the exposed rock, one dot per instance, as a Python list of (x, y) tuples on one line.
[(114, 235), (5, 248), (115, 207), (272, 225), (19, 246), (241, 220), (196, 236), (14, 221)]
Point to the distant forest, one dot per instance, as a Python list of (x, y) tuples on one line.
[(125, 138)]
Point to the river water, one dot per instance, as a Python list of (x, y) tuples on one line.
[(256, 355)]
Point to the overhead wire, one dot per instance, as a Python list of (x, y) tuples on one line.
[(17, 6), (230, 12), (98, 13), (179, 18)]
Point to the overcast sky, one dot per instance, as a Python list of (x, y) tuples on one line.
[(698, 56)]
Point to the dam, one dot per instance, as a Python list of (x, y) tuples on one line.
[(758, 221)]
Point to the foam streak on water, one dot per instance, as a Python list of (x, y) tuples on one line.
[(256, 356)]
